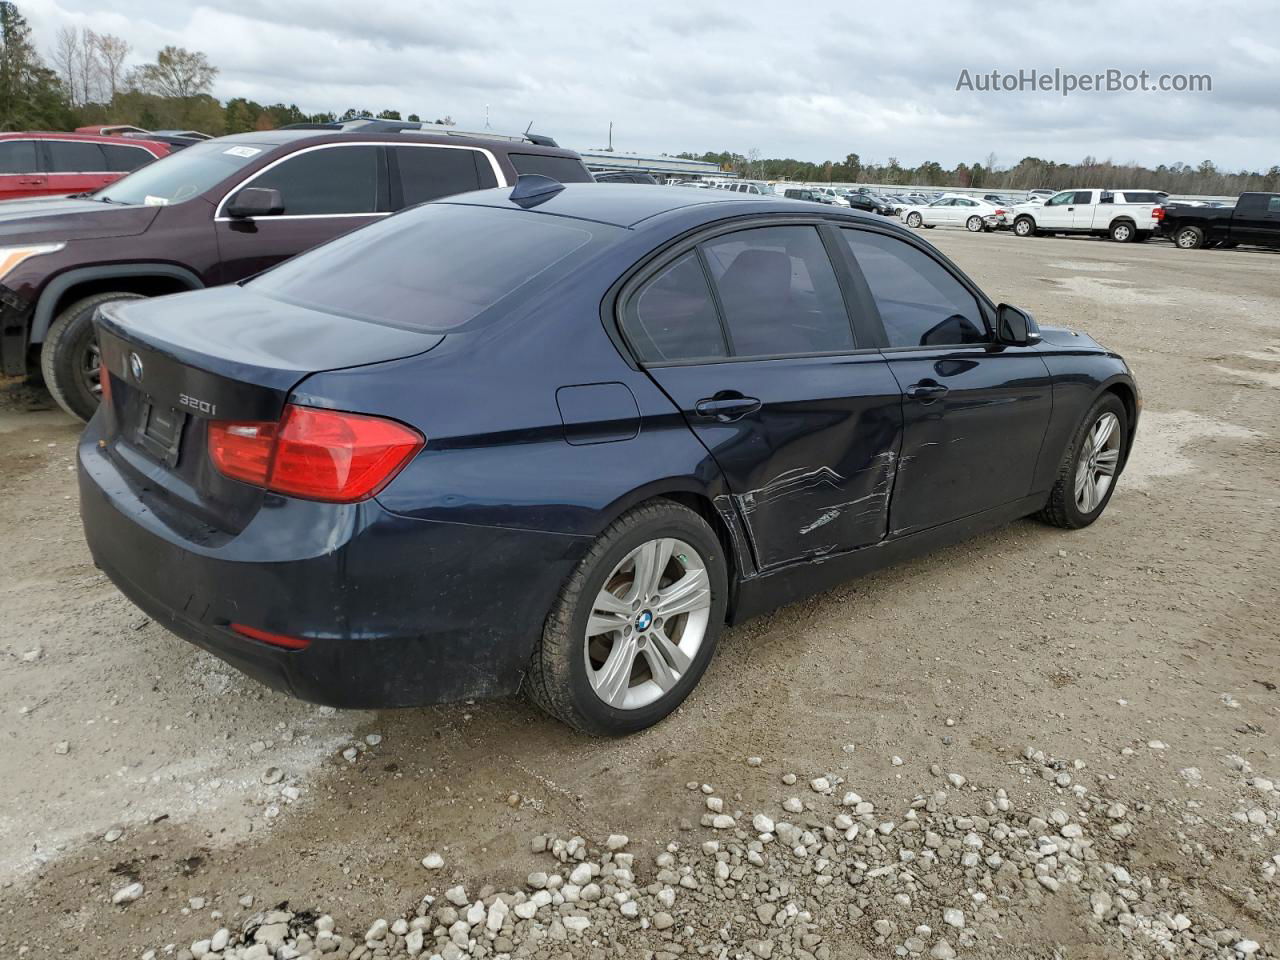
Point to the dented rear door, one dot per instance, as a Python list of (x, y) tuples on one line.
[(812, 464)]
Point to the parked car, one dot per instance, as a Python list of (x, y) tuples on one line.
[(173, 139), (623, 176), (957, 211), (50, 164), (870, 203), (388, 479), (1254, 220), (755, 187), (217, 212), (808, 195), (834, 196), (1122, 215)]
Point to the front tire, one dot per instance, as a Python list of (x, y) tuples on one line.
[(635, 625), (914, 220), (1189, 238), (69, 358), (1024, 227), (1089, 470)]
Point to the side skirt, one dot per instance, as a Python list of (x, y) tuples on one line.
[(778, 587)]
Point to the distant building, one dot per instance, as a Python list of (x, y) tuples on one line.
[(659, 167)]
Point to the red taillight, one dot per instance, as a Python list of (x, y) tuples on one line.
[(1157, 213), (275, 639), (315, 454), (998, 213)]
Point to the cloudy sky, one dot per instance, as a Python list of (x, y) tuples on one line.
[(714, 76)]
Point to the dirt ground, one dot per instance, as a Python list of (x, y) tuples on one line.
[(1158, 625)]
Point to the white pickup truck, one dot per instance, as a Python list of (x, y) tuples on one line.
[(1122, 215)]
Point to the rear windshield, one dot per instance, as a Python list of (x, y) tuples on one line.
[(182, 175), (563, 169), (435, 267)]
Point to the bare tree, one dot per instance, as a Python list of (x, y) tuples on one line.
[(77, 58), (66, 60), (112, 52)]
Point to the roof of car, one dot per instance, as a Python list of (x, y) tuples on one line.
[(276, 138), (621, 204), (90, 137)]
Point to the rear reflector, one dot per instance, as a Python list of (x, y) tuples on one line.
[(275, 639), (314, 454)]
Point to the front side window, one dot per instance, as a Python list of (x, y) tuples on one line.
[(75, 156), (1273, 205), (779, 292), (18, 156), (921, 303), (1061, 199), (429, 173), (673, 317), (326, 181)]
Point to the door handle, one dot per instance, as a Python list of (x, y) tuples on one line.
[(726, 408), (30, 181), (927, 391)]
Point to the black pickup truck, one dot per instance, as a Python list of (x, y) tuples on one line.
[(1255, 219)]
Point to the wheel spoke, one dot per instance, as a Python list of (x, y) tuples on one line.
[(650, 562), (667, 662), (1106, 462), (1082, 481), (614, 677), (691, 592)]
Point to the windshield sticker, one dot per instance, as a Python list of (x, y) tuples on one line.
[(242, 151), (151, 201)]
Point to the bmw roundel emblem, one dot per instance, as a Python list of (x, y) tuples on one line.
[(135, 366), (644, 620)]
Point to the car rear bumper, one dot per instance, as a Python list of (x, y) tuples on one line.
[(397, 611)]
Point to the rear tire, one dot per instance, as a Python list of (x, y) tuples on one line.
[(567, 671), (1069, 505), (69, 358), (1189, 238), (973, 224), (1122, 231), (1024, 227)]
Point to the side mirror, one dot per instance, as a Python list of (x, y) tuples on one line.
[(256, 202), (1014, 327)]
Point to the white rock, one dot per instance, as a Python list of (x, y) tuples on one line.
[(616, 841), (457, 896), (218, 942), (722, 821), (953, 917), (762, 823), (413, 942), (400, 926), (476, 913), (820, 784), (754, 761), (715, 804), (793, 805), (433, 861), (581, 874), (942, 951), (576, 924), (1247, 947), (114, 834), (378, 931), (956, 780), (128, 894)]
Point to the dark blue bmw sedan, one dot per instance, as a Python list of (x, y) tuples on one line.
[(557, 437)]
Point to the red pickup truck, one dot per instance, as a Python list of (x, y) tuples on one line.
[(52, 164)]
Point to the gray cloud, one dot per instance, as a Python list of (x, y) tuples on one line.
[(712, 77)]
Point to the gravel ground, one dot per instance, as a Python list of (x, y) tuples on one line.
[(1035, 744)]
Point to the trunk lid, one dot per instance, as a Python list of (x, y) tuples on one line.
[(179, 362)]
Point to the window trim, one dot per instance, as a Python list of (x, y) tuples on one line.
[(620, 303), (219, 218), (986, 308)]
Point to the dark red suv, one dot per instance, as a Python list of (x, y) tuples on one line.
[(218, 212), (51, 164)]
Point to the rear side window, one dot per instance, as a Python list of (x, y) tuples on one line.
[(326, 181), (75, 156), (1273, 205), (674, 317), (18, 156), (435, 267), (921, 304), (429, 173), (563, 169), (125, 159), (779, 292)]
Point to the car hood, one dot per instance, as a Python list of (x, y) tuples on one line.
[(70, 218)]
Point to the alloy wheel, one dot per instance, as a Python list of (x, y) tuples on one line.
[(974, 224), (647, 623), (914, 220), (91, 369), (1097, 464)]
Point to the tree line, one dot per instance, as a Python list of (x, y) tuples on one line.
[(86, 83)]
